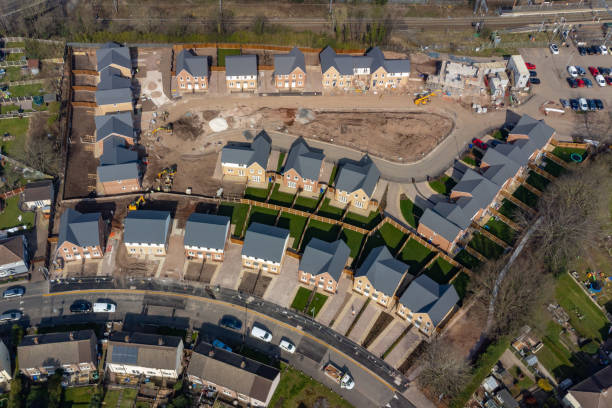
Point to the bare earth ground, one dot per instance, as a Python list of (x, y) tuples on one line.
[(253, 284), (463, 331), (81, 162)]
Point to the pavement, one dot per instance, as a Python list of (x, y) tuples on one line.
[(283, 287)]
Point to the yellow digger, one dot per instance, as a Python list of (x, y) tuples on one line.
[(169, 171), (424, 99), (136, 204)]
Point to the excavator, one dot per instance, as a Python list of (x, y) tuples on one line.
[(134, 205), (169, 171), (424, 99), (165, 178)]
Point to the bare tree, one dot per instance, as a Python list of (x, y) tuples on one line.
[(442, 371), (595, 126)]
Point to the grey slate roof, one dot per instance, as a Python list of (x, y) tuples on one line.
[(237, 65), (355, 175), (195, 65), (424, 295), (113, 88), (56, 349), (246, 154), (284, 64), (79, 229), (115, 123), (373, 59), (594, 392), (114, 96), (305, 160), (115, 152), (113, 53), (145, 350), (382, 270), (320, 257), (146, 226), (439, 225), (236, 372), (12, 250), (265, 242), (206, 230), (38, 191), (116, 172)]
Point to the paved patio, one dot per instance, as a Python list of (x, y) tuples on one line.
[(387, 337), (284, 285), (365, 322), (344, 320), (336, 302), (228, 275), (403, 349)]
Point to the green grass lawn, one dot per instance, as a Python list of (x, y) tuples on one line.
[(13, 74), (280, 198), (467, 159), (509, 209), (500, 134), (8, 218), (332, 176), (441, 271), (416, 255), (127, 400), (111, 398), (353, 239), (537, 181), (295, 224), (223, 52), (305, 204), (15, 56), (296, 389), (526, 196), (281, 159), (467, 260), (262, 215), (523, 383), (237, 213), (485, 246), (77, 397), (443, 184), (330, 211), (9, 108), (387, 235), (321, 230), (564, 153), (27, 90), (410, 211), (17, 127), (316, 305), (14, 44), (552, 168), (501, 230), (368, 222), (461, 284), (300, 301), (258, 194)]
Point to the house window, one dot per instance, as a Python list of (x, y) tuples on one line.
[(341, 83), (217, 256), (182, 79), (188, 79), (296, 178), (300, 83), (231, 84), (251, 171), (330, 287), (74, 249), (288, 176), (330, 281), (191, 253), (326, 82), (96, 253), (293, 76), (327, 76), (259, 171), (252, 83), (65, 249), (132, 250), (226, 392), (183, 86), (159, 251), (308, 187), (300, 76), (304, 278)]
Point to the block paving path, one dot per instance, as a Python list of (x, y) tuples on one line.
[(284, 285), (333, 305), (346, 317), (402, 350), (387, 337), (365, 322), (228, 275)]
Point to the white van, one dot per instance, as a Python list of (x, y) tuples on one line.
[(104, 308), (261, 334)]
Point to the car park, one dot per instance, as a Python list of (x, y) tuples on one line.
[(288, 346), (609, 80), (584, 106), (10, 316), (603, 70), (574, 104), (572, 71), (530, 66), (261, 334), (598, 104), (80, 306), (221, 345), (104, 307), (593, 71), (15, 291), (582, 50), (604, 50), (480, 144), (565, 103), (600, 80), (580, 70), (580, 83), (231, 322), (587, 82), (592, 105), (534, 81), (572, 82), (554, 49)]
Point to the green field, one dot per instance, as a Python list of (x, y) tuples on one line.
[(509, 209), (13, 74), (411, 212), (223, 52), (9, 108), (440, 271), (9, 217), (295, 224), (27, 90), (368, 222), (387, 235), (485, 246), (461, 283), (321, 230), (262, 215), (415, 255), (17, 127), (443, 184), (237, 213), (501, 230), (77, 397), (330, 211), (353, 239), (280, 198), (111, 398), (281, 160)]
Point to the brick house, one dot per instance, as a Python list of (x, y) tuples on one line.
[(146, 232), (119, 169), (191, 72), (118, 125), (39, 194), (81, 236), (380, 277), (206, 236), (290, 71), (356, 182), (323, 263), (264, 247), (247, 162), (447, 223), (303, 167), (427, 304), (114, 92), (241, 73), (113, 55), (370, 71)]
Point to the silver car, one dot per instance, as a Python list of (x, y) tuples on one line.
[(10, 316), (16, 291)]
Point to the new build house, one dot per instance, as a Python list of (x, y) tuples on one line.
[(290, 71), (191, 72), (501, 166), (81, 236), (380, 276), (75, 352), (370, 71), (113, 55), (145, 232), (356, 182), (247, 162), (39, 194), (232, 376), (323, 263), (133, 356), (241, 73), (14, 257), (114, 125), (206, 236), (114, 92), (6, 372), (264, 247), (119, 169), (303, 167), (427, 304)]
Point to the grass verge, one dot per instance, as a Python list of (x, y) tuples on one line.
[(410, 211), (443, 184)]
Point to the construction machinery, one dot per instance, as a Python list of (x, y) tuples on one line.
[(424, 99), (165, 178), (136, 204)]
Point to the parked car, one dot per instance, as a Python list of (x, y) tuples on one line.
[(534, 81), (529, 65), (593, 71), (565, 103), (603, 70), (480, 144), (574, 104), (592, 105), (572, 71), (14, 291), (533, 74), (600, 80), (219, 344), (609, 80), (572, 82), (598, 104), (580, 70), (80, 306), (580, 82), (287, 346), (584, 106), (582, 50), (590, 50), (104, 308), (10, 316), (261, 334), (231, 322), (554, 49), (604, 50), (587, 82)]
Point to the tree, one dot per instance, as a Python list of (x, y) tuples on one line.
[(442, 371), (54, 389), (16, 396)]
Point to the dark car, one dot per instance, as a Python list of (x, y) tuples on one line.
[(580, 70), (574, 104), (582, 50), (609, 80), (534, 81), (231, 322), (592, 105), (603, 70), (533, 74), (572, 82), (564, 103), (587, 82), (599, 104), (80, 306)]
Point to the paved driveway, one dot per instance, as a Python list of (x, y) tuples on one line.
[(348, 314), (335, 303), (364, 324), (387, 337), (402, 350), (228, 275), (284, 285)]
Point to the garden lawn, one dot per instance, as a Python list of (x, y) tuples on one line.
[(537, 181), (17, 127), (526, 196), (301, 299), (332, 176), (501, 230), (14, 44), (329, 211), (353, 239), (485, 246), (281, 159), (8, 218), (415, 255), (77, 397), (8, 109), (262, 215), (128, 397), (509, 209), (223, 52), (280, 198), (321, 230), (111, 398), (295, 389), (564, 153), (368, 222), (316, 305), (467, 260), (443, 184), (305, 204), (441, 271), (552, 168), (15, 56), (522, 384), (13, 74), (27, 90), (237, 213), (259, 194), (467, 159), (295, 224), (387, 235), (410, 211), (461, 284)]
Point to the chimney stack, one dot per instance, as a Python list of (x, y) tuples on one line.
[(71, 335), (35, 340), (211, 353), (242, 364), (126, 338), (160, 341)]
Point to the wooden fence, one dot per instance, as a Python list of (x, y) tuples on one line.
[(84, 72), (26, 82), (84, 88), (263, 47), (12, 193), (570, 145), (81, 104)]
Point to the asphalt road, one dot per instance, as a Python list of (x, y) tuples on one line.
[(376, 383)]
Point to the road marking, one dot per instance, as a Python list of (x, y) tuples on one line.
[(221, 302)]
